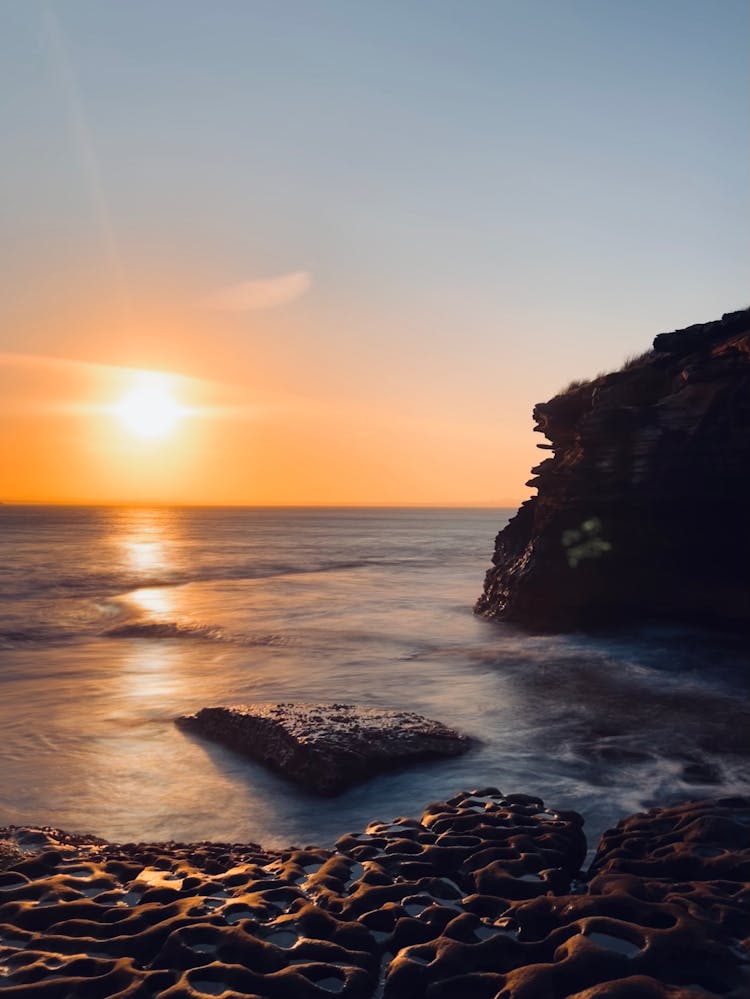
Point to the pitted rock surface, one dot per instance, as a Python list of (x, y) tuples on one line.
[(480, 897), (326, 747)]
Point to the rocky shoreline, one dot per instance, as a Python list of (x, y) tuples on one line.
[(482, 897), (641, 506)]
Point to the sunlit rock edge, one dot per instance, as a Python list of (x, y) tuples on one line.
[(483, 896)]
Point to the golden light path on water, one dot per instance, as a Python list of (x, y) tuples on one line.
[(145, 555), (156, 601)]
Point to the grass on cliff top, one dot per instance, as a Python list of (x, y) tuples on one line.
[(579, 383), (631, 361), (636, 360)]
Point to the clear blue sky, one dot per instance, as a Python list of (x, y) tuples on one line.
[(486, 199)]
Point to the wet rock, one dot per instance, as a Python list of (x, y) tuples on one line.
[(473, 899), (695, 841), (640, 510), (10, 853), (701, 772), (327, 747)]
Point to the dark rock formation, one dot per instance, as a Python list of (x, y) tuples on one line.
[(642, 508), (10, 853), (480, 898), (327, 747)]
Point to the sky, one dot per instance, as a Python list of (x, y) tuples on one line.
[(343, 246)]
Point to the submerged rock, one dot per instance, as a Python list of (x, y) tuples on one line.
[(326, 747), (641, 508)]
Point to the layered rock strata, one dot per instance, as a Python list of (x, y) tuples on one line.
[(641, 507), (480, 898), (326, 747)]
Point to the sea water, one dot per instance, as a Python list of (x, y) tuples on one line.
[(115, 621)]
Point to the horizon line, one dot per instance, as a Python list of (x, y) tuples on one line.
[(124, 504)]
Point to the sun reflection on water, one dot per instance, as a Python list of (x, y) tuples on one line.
[(147, 672), (156, 600), (144, 556), (146, 543)]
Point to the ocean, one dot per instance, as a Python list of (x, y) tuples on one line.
[(115, 621)]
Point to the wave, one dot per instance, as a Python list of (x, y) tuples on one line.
[(18, 637), (190, 630), (108, 583), (12, 637), (164, 629)]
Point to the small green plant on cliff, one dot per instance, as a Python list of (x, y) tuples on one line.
[(585, 542)]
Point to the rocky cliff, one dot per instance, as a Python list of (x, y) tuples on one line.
[(643, 506)]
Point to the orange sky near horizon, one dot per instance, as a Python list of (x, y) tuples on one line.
[(65, 439), (284, 409)]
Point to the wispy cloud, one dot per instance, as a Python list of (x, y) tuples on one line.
[(265, 293)]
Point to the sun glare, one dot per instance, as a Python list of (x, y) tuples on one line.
[(149, 410)]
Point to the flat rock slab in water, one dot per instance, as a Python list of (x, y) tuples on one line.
[(327, 747)]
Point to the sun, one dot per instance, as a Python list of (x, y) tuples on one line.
[(149, 409)]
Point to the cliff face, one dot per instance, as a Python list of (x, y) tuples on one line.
[(643, 507)]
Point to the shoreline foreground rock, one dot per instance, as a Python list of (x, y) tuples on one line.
[(326, 748), (641, 508), (480, 898)]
